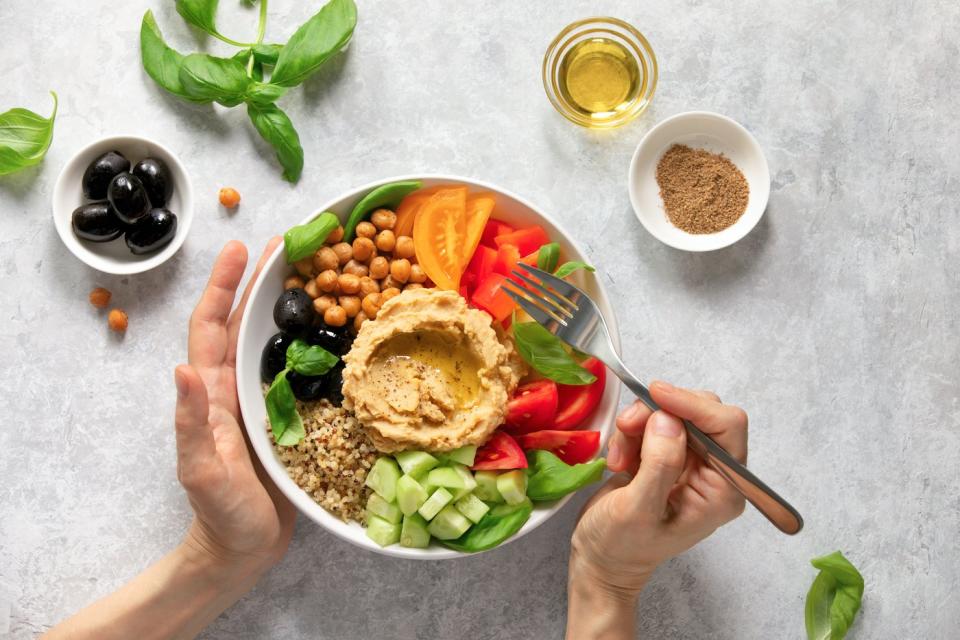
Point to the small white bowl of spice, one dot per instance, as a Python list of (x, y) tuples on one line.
[(699, 181)]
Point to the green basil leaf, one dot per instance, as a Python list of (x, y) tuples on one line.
[(285, 422), (207, 77), (25, 137), (315, 42), (257, 71), (569, 267), (264, 92), (309, 360), (267, 53), (497, 525), (275, 127), (160, 61), (550, 478), (387, 195), (199, 13), (548, 256), (303, 240), (834, 598), (545, 352)]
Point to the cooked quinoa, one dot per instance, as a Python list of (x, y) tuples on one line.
[(332, 461)]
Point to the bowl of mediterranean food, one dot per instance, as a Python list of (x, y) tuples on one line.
[(393, 391)]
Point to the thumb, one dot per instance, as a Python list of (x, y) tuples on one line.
[(663, 455), (194, 439)]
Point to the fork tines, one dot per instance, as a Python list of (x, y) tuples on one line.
[(545, 297)]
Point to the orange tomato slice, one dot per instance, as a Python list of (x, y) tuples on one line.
[(440, 236), (407, 210), (479, 208)]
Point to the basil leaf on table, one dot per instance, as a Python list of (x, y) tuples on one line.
[(25, 137), (548, 256), (275, 127), (285, 422), (264, 92), (834, 598), (497, 525), (309, 360), (323, 35), (303, 240), (569, 267), (550, 478), (387, 195), (160, 61), (545, 352), (207, 77), (199, 13)]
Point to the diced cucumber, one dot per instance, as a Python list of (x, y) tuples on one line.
[(437, 500), (416, 462), (414, 532), (379, 507), (382, 532), (512, 485), (469, 483), (383, 478), (472, 507), (459, 493), (464, 455), (487, 486), (449, 524), (446, 477), (410, 495)]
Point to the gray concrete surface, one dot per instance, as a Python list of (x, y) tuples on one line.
[(834, 323)]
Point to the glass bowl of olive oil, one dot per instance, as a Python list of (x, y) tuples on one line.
[(600, 73)]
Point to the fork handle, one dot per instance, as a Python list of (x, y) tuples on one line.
[(766, 500)]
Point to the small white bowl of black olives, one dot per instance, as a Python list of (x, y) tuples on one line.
[(123, 204)]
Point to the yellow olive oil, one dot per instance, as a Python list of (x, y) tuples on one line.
[(600, 78)]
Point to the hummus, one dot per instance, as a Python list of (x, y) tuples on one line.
[(429, 373)]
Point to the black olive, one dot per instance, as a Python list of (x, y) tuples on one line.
[(96, 222), (307, 387), (99, 173), (333, 379), (156, 179), (273, 360), (336, 340), (128, 197), (151, 232), (294, 312)]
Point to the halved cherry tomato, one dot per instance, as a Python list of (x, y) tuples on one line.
[(573, 447), (500, 452), (479, 208), (481, 265), (533, 407), (526, 240), (493, 229), (439, 235), (577, 402), (490, 297), (507, 258)]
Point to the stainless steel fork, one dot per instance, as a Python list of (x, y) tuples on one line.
[(568, 312)]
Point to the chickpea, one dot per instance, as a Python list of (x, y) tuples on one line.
[(350, 304), (366, 229), (371, 305), (344, 252), (386, 241), (413, 285), (117, 320), (359, 320), (293, 282), (312, 289), (364, 249), (349, 284), (304, 267), (324, 302), (335, 236), (400, 270), (379, 268), (335, 316), (417, 274), (390, 283), (386, 294), (356, 268), (383, 219), (404, 248), (368, 285), (229, 197), (327, 280), (325, 258)]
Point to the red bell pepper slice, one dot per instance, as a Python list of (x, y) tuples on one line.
[(526, 240), (490, 297), (493, 229)]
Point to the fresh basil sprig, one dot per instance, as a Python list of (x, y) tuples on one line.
[(545, 352), (834, 598), (304, 239), (497, 525), (548, 256), (25, 137), (569, 267), (386, 195), (309, 360), (239, 79), (550, 478)]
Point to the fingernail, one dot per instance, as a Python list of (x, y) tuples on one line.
[(667, 426), (665, 387), (183, 387), (613, 454), (632, 412)]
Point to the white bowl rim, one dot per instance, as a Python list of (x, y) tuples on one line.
[(264, 450), (744, 226), (149, 261)]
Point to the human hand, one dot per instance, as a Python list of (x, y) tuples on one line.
[(673, 499), (240, 516)]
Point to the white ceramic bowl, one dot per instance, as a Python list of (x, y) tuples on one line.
[(257, 326), (114, 256), (717, 134)]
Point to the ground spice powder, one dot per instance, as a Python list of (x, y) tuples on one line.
[(702, 192)]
